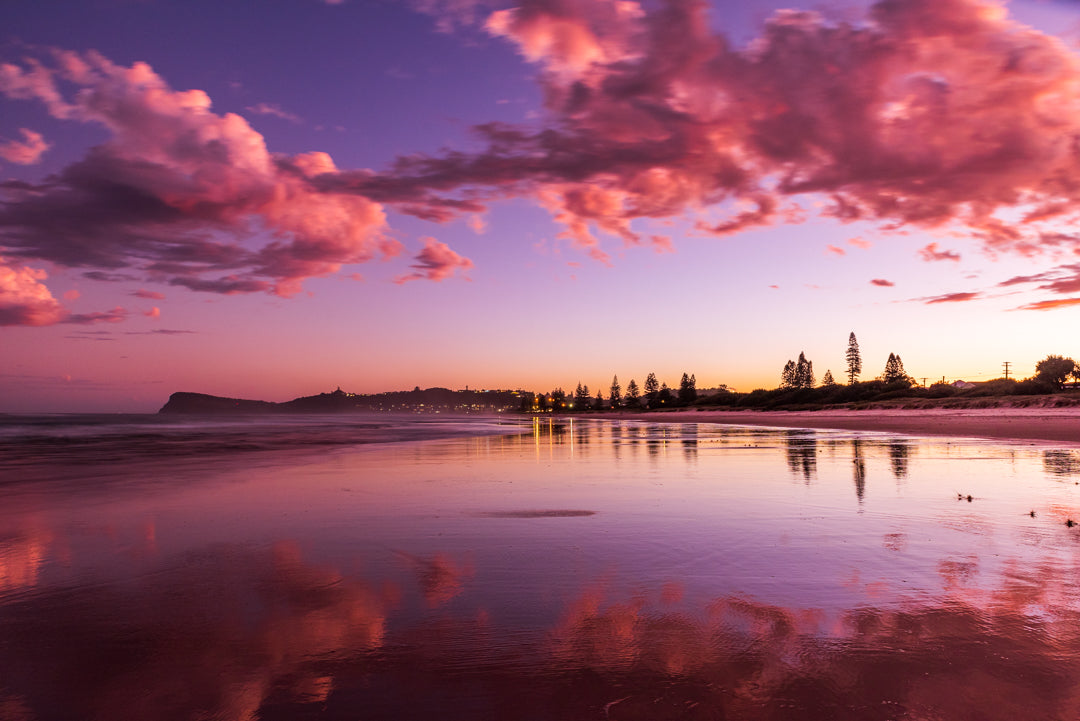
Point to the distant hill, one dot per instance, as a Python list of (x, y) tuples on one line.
[(430, 400)]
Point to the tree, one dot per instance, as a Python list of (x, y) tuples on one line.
[(854, 360), (581, 397), (558, 399), (1054, 369), (651, 388), (664, 397), (687, 389), (804, 372), (894, 371), (787, 376), (828, 379), (598, 402), (616, 393), (633, 395)]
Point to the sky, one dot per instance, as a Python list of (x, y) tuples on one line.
[(270, 200)]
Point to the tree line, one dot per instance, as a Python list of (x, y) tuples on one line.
[(799, 387), (653, 394)]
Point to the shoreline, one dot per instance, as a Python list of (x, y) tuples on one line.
[(1047, 425)]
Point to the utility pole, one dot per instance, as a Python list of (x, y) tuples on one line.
[(924, 383), (1006, 364)]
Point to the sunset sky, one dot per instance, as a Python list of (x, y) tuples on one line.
[(269, 200)]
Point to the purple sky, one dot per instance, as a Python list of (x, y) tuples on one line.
[(271, 201)]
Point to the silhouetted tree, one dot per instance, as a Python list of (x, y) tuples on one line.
[(598, 402), (558, 399), (651, 388), (633, 395), (854, 360), (664, 397), (687, 389), (828, 379), (542, 403), (804, 372), (581, 397), (1054, 369), (616, 393), (787, 376), (894, 371)]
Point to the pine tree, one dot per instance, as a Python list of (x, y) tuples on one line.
[(633, 395), (804, 372), (616, 393), (581, 397), (854, 360), (828, 379), (598, 402), (787, 376), (894, 371), (651, 387)]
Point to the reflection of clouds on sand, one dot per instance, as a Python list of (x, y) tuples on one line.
[(209, 639), (441, 578), (22, 558)]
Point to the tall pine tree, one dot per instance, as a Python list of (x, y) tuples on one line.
[(652, 386), (633, 395), (616, 393), (854, 360)]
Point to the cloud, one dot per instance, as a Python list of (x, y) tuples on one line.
[(275, 111), (835, 250), (148, 294), (116, 315), (930, 253), (174, 188), (925, 114), (1051, 304), (28, 151), (860, 243), (154, 312), (951, 298), (24, 299), (882, 283), (436, 261)]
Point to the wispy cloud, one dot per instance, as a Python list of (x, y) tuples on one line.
[(27, 151), (274, 111), (882, 283)]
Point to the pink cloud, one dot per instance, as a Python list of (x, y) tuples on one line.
[(860, 243), (275, 111), (930, 253), (72, 294), (951, 298), (906, 117), (172, 178), (28, 151), (662, 243), (835, 250), (154, 312), (882, 283), (148, 294), (24, 299), (436, 261)]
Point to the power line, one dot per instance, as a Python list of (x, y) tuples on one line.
[(1006, 364)]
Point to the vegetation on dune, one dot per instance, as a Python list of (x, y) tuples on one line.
[(798, 389)]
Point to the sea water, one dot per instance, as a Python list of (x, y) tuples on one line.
[(508, 568)]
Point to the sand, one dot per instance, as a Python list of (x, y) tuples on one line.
[(1056, 425)]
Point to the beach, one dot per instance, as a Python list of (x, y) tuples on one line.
[(1051, 425)]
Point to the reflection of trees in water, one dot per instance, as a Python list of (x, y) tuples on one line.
[(1061, 463), (858, 468), (899, 452), (802, 451), (690, 441)]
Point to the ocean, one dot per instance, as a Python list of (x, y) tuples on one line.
[(417, 567)]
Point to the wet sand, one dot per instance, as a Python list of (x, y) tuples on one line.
[(1057, 425)]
